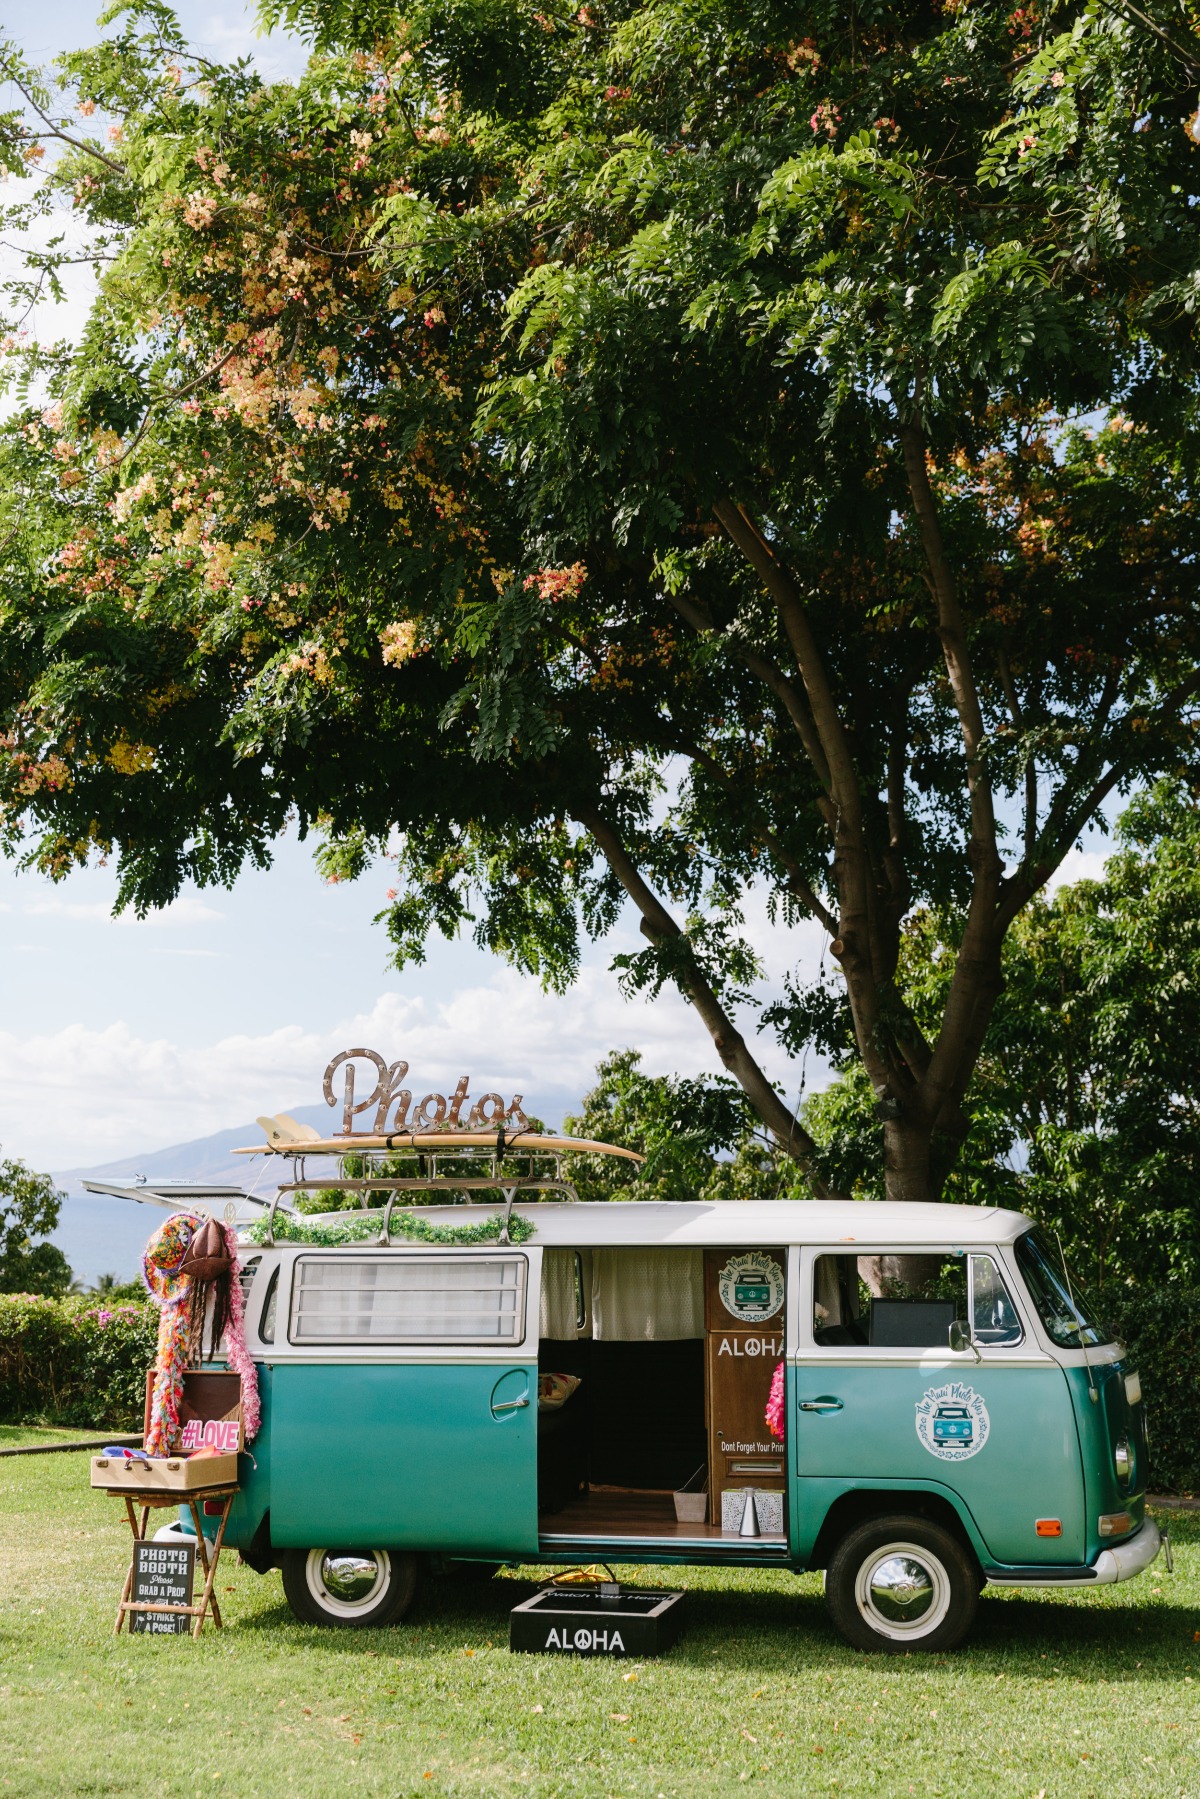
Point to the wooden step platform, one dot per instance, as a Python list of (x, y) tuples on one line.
[(632, 1517)]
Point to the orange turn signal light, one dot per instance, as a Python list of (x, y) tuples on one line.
[(1049, 1527)]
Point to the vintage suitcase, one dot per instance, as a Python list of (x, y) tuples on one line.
[(163, 1474)]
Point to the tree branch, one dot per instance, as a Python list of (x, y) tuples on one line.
[(826, 718), (176, 393), (1189, 58), (866, 948), (1018, 717), (51, 129), (784, 690), (897, 814), (976, 979), (660, 927), (796, 882), (955, 650)]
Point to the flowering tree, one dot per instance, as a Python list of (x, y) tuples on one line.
[(638, 455)]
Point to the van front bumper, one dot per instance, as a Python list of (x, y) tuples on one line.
[(1131, 1557)]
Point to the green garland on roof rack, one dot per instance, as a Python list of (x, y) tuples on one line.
[(364, 1227)]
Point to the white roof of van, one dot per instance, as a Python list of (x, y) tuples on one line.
[(580, 1224)]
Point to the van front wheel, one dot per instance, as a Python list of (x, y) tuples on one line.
[(366, 1588), (901, 1583)]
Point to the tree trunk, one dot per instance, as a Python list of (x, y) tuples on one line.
[(907, 1165)]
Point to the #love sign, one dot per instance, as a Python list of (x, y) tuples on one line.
[(220, 1434)]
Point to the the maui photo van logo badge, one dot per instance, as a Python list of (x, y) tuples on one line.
[(751, 1288), (952, 1422)]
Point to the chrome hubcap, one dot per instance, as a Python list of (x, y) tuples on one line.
[(903, 1591), (345, 1581)]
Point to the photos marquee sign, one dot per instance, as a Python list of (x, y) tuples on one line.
[(393, 1103)]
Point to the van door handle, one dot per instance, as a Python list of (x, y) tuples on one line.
[(820, 1405), (512, 1405)]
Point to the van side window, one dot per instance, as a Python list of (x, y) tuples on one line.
[(421, 1299), (246, 1277), (888, 1302), (245, 1281), (266, 1326), (994, 1317)]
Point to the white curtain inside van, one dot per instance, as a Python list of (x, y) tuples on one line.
[(560, 1319), (647, 1294)]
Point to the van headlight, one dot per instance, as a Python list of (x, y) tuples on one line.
[(1123, 1461)]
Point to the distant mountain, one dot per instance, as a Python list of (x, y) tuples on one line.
[(203, 1159), (99, 1235)]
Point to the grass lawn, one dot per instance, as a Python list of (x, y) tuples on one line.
[(1055, 1696), (24, 1436)]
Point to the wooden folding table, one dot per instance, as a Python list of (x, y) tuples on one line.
[(194, 1499)]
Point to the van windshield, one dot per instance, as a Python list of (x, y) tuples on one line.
[(1066, 1312)]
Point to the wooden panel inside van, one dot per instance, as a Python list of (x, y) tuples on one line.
[(744, 1342)]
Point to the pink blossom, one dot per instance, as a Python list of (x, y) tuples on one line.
[(775, 1404), (557, 583)]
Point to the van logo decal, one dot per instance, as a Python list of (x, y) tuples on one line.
[(952, 1422), (751, 1288)]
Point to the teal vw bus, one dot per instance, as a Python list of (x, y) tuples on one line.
[(539, 1385)]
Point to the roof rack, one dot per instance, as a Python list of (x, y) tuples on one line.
[(379, 1156)]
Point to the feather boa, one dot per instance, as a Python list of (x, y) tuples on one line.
[(775, 1404), (237, 1355), (172, 1292)]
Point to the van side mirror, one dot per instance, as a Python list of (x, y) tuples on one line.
[(961, 1338)]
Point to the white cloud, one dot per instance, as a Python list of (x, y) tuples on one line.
[(80, 1095), (1077, 865), (182, 913)]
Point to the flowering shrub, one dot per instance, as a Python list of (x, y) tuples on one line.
[(75, 1361)]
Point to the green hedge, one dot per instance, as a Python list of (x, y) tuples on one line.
[(1161, 1328), (75, 1361)]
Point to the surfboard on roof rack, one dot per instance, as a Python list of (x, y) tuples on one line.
[(479, 1157), (497, 1142)]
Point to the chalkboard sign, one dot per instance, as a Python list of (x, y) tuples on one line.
[(162, 1575)]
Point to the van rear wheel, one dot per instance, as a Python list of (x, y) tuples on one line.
[(349, 1588), (901, 1583)]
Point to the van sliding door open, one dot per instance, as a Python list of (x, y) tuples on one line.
[(663, 1357)]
